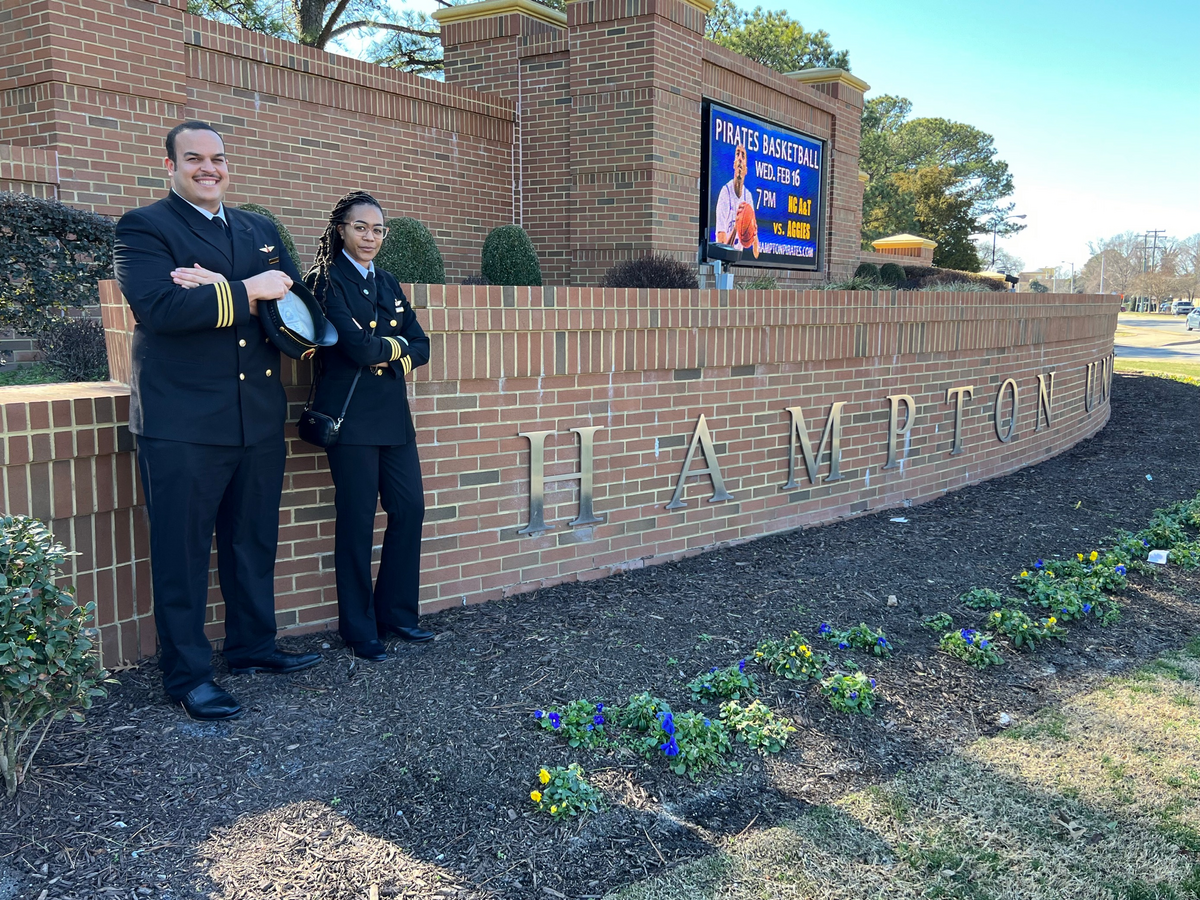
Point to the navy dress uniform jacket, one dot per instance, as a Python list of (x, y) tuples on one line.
[(203, 369), (371, 317)]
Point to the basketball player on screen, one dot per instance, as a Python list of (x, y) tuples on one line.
[(736, 223)]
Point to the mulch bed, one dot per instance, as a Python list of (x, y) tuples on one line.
[(410, 778)]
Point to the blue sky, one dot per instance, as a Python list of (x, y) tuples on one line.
[(1094, 106)]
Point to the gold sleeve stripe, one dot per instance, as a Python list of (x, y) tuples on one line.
[(397, 350), (224, 304), (406, 362)]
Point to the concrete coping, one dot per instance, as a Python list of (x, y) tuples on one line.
[(829, 76), (903, 242), (486, 9)]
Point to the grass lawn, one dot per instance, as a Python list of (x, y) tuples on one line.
[(1096, 798), (1160, 367)]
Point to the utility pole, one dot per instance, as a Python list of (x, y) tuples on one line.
[(1153, 255)]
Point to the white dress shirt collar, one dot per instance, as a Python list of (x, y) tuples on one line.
[(362, 270)]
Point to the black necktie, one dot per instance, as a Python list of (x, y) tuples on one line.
[(222, 238)]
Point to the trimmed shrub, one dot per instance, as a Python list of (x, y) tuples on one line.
[(509, 257), (410, 253), (867, 270), (284, 235), (920, 277), (74, 349), (51, 258), (475, 279), (48, 666), (655, 271), (892, 275)]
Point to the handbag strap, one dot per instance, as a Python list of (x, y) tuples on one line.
[(346, 405)]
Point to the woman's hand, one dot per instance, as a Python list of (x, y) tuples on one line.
[(195, 276)]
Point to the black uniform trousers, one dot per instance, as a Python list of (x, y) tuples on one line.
[(190, 489), (364, 477)]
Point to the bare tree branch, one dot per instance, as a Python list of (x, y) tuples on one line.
[(385, 26)]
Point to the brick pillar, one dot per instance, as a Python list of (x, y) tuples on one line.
[(517, 49), (636, 84), (100, 82), (843, 224)]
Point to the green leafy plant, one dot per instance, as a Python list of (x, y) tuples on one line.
[(730, 683), (892, 275), (972, 647), (868, 271), (48, 665), (564, 791), (580, 723), (509, 257), (756, 725), (850, 693), (640, 713), (859, 637), (939, 622), (1068, 597), (52, 257), (981, 598), (1023, 632), (689, 742), (411, 254), (284, 235), (853, 284), (654, 271), (759, 283), (792, 658)]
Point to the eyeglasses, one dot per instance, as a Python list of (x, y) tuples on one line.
[(362, 228)]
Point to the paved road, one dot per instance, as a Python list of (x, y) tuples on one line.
[(1159, 337)]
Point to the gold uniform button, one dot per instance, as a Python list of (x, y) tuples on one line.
[(372, 324), (242, 342), (241, 376), (268, 373), (393, 323)]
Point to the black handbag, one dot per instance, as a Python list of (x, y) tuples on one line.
[(319, 429)]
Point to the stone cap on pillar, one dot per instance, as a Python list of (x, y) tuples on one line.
[(905, 245), (837, 83), (486, 9)]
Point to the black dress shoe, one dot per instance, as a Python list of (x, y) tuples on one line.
[(279, 662), (372, 651), (412, 635), (208, 702)]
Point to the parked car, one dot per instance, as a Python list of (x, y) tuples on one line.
[(1193, 320), (1181, 307)]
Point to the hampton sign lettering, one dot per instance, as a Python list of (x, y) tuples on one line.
[(1097, 384)]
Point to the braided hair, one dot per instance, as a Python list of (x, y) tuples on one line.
[(331, 241)]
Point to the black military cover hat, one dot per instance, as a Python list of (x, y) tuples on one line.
[(295, 324)]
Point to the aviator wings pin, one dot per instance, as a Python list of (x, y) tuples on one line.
[(267, 248)]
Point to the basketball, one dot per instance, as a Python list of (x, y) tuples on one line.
[(747, 226)]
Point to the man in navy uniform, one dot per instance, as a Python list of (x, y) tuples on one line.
[(208, 410)]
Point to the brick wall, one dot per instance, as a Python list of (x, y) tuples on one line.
[(101, 82), (643, 366)]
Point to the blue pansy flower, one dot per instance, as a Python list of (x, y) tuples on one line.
[(713, 669), (854, 695), (599, 707), (824, 629), (707, 724), (842, 645), (882, 642), (668, 722), (598, 719), (1038, 564), (554, 720), (670, 748), (967, 634), (1120, 570), (742, 666), (537, 714), (983, 643), (1087, 607), (591, 727), (872, 682)]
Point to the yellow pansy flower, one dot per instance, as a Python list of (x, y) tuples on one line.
[(544, 777), (553, 809), (1024, 573), (1080, 556), (1051, 620), (535, 796), (1093, 556)]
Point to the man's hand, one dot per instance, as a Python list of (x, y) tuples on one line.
[(194, 276), (269, 285)]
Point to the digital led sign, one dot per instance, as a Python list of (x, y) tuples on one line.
[(761, 191)]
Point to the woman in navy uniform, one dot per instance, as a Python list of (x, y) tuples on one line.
[(375, 457)]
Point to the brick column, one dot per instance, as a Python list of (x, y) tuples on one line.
[(636, 84), (843, 224), (100, 82)]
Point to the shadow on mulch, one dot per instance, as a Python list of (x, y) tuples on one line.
[(410, 778)]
